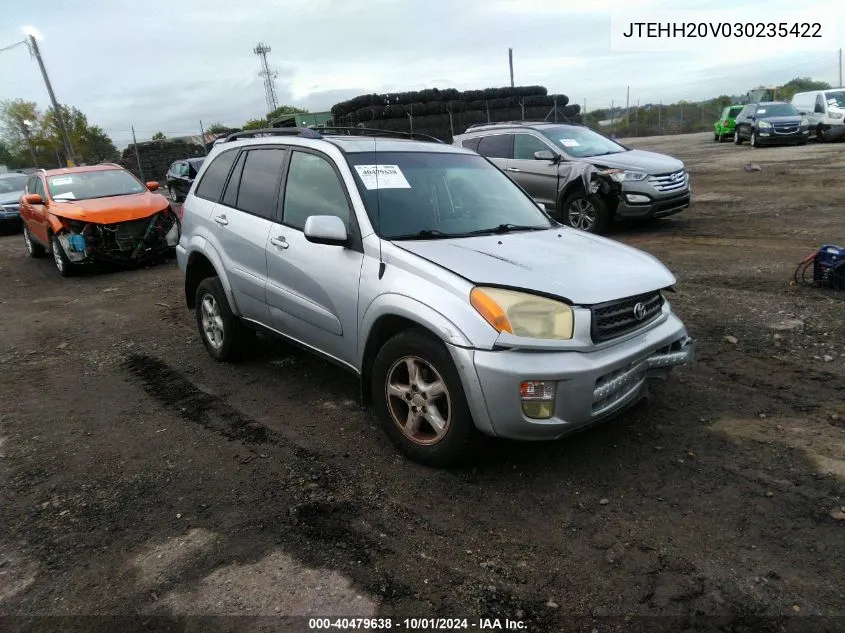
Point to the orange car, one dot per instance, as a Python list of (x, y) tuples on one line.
[(97, 213)]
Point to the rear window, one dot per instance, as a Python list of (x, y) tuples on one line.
[(733, 112), (214, 179)]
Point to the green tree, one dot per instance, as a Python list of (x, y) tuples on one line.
[(799, 84), (284, 109), (219, 128), (256, 124), (159, 136)]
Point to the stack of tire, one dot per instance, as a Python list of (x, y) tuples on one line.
[(428, 111)]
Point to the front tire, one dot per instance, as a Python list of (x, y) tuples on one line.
[(585, 213), (754, 142), (820, 133), (737, 138), (33, 249), (60, 259), (225, 338), (419, 399), (172, 194)]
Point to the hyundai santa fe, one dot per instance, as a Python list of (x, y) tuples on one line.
[(543, 156), (462, 307)]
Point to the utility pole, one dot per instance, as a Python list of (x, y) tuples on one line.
[(25, 130), (137, 155), (659, 112), (840, 67), (627, 106), (33, 47), (510, 63), (202, 136), (612, 119)]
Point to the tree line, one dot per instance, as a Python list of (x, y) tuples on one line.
[(30, 137)]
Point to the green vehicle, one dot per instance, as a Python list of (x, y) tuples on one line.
[(724, 127)]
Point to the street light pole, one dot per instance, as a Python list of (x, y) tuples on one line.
[(33, 46)]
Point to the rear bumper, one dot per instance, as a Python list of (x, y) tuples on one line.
[(589, 386), (656, 208)]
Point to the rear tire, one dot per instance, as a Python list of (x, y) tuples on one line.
[(33, 249), (754, 143), (225, 338), (414, 380), (737, 138), (585, 213)]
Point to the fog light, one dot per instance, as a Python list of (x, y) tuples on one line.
[(538, 398), (635, 198)]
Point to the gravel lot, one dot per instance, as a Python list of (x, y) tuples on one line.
[(137, 476)]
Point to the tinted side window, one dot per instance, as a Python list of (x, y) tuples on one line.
[(524, 146), (820, 104), (496, 146), (30, 184), (39, 188), (313, 188), (260, 181), (230, 198), (472, 143), (214, 179)]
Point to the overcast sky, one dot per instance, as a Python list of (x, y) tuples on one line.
[(165, 65)]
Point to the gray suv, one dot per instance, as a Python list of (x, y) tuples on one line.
[(464, 310), (546, 159)]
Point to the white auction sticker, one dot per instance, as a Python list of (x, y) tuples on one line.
[(382, 177), (569, 142), (63, 180)]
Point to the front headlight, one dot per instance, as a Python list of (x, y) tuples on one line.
[(523, 314), (834, 115), (764, 124), (622, 176)]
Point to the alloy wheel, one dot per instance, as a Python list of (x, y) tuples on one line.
[(212, 321), (418, 400), (26, 239), (173, 195), (582, 214), (57, 255)]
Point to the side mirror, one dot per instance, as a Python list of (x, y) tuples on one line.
[(33, 198), (152, 185), (544, 155), (326, 229)]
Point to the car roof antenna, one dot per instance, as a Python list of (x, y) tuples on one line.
[(381, 265)]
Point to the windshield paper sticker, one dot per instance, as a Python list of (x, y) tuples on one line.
[(569, 142), (382, 177), (64, 180)]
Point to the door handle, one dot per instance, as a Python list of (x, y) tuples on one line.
[(279, 241), (221, 219), (512, 169)]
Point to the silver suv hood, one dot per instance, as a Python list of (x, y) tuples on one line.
[(582, 268), (10, 198), (650, 162)]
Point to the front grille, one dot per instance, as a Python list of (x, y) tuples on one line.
[(785, 128), (676, 181), (12, 208), (617, 318)]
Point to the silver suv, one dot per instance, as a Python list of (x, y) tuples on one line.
[(546, 159), (462, 307)]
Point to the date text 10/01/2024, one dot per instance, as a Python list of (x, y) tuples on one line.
[(417, 624), (724, 29)]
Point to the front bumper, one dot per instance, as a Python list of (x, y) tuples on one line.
[(130, 242), (10, 213), (655, 208), (590, 386), (773, 137)]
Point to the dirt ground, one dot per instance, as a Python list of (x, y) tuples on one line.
[(140, 478)]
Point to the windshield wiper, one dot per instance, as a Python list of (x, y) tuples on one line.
[(505, 228), (425, 234)]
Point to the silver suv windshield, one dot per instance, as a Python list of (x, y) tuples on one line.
[(421, 195), (580, 142)]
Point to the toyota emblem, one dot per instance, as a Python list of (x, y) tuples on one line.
[(639, 311)]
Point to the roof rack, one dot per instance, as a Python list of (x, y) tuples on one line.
[(366, 131), (521, 122), (304, 132)]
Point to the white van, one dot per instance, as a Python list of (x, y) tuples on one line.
[(823, 108)]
